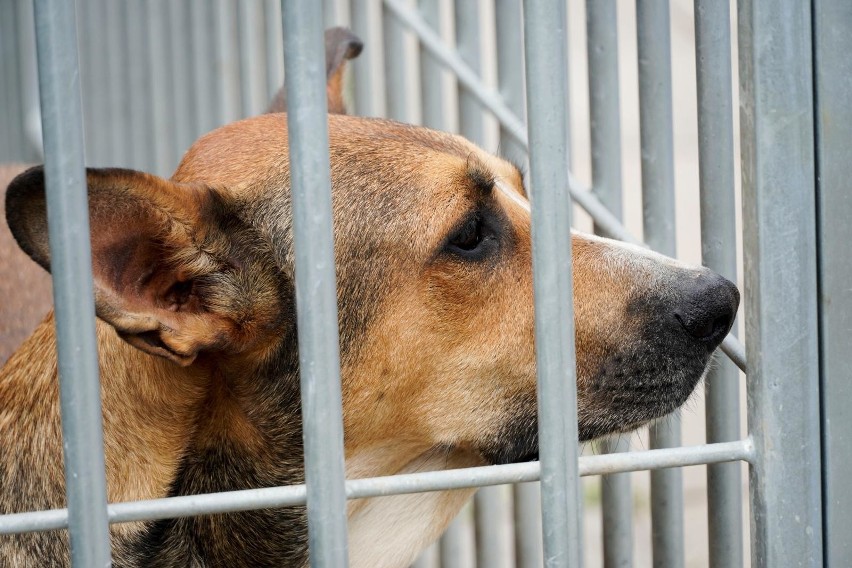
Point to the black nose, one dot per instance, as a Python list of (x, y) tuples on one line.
[(706, 307)]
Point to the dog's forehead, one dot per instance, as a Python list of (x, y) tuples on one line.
[(250, 157)]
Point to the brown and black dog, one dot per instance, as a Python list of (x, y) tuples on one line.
[(198, 350)]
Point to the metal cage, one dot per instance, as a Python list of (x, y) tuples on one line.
[(793, 83)]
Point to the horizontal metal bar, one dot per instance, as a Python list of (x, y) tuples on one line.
[(292, 495), (514, 127)]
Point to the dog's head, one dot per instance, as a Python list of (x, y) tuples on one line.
[(433, 256)]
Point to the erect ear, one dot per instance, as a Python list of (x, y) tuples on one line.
[(341, 45), (167, 277)]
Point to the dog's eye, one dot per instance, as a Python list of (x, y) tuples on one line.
[(470, 240)]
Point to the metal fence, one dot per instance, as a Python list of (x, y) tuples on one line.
[(179, 69)]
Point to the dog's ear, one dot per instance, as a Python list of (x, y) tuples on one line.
[(167, 276), (341, 45)]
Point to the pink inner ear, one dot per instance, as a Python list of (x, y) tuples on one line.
[(129, 262)]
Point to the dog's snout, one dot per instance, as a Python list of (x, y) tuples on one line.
[(706, 308)]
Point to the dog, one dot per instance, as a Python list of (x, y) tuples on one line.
[(198, 348), (26, 289)]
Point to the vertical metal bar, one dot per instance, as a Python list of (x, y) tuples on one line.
[(452, 544), (833, 73), (330, 13), (655, 119), (115, 53), (227, 62), (183, 90), (316, 297), (161, 87), (274, 56), (547, 90), (71, 261), (617, 510), (252, 83), (510, 70), (491, 521), (527, 517), (602, 42), (202, 16), (777, 130), (467, 44), (489, 508), (428, 558), (98, 87), (29, 83), (526, 497), (431, 72), (718, 252), (366, 17), (139, 99), (604, 109), (395, 66), (12, 124)]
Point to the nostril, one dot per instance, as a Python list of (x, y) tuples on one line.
[(707, 309), (706, 329)]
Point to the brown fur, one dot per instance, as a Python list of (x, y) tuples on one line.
[(437, 347)]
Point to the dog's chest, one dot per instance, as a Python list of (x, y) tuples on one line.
[(389, 532)]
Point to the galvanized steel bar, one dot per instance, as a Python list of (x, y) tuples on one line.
[(329, 13), (161, 88), (617, 509), (203, 37), (396, 88), (428, 558), (510, 71), (489, 508), (604, 113), (467, 19), (29, 84), (718, 252), (367, 72), (12, 110), (138, 89), (227, 61), (274, 56), (604, 109), (431, 72), (526, 497), (547, 90), (833, 74), (253, 97), (527, 518), (97, 86), (184, 91), (514, 127), (452, 544), (778, 165), (655, 119), (316, 296), (492, 523), (293, 495), (116, 133), (71, 264)]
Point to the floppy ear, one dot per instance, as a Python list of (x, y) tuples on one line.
[(167, 277), (341, 45)]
